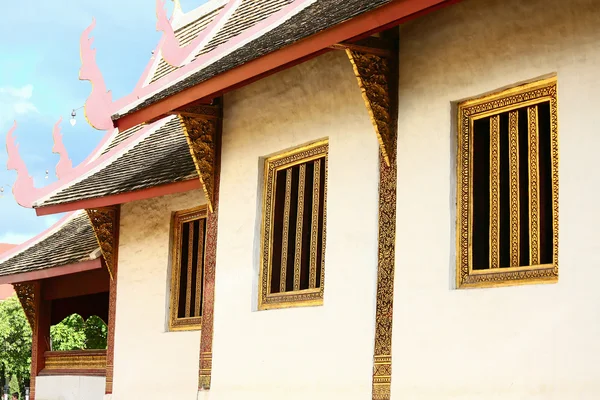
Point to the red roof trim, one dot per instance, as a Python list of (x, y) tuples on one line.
[(52, 272), (122, 198), (381, 18)]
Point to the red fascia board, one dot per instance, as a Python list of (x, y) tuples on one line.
[(52, 272), (79, 284), (122, 198), (379, 19)]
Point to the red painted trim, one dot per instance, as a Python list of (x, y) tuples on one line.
[(383, 17), (78, 284), (122, 198), (52, 272)]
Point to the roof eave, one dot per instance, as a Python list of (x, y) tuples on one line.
[(368, 23), (121, 198), (52, 272)]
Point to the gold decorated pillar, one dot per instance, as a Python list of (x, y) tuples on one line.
[(202, 128), (105, 222), (375, 65)]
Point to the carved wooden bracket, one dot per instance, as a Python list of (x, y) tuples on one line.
[(377, 79), (200, 125), (26, 294), (106, 227)]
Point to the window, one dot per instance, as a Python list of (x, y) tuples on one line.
[(507, 197), (187, 271), (293, 230)]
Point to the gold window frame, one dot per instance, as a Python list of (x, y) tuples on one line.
[(297, 298), (507, 100), (179, 218)]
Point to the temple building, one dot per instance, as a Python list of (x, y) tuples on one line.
[(326, 199)]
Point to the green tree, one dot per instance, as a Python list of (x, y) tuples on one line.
[(96, 333), (15, 341), (68, 334), (73, 333)]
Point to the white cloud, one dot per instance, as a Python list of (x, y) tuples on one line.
[(15, 101), (22, 93)]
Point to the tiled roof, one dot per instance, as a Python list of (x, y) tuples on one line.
[(70, 243), (120, 137), (318, 16), (157, 158)]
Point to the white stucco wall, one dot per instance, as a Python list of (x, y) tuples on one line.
[(320, 352), (151, 363), (69, 387), (527, 342)]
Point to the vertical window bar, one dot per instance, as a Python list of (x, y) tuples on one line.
[(513, 164), (199, 266), (178, 266), (495, 191), (286, 228), (314, 233), (534, 194), (299, 221), (188, 291)]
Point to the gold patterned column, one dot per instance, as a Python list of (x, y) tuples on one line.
[(378, 81), (299, 223), (495, 191), (286, 229), (314, 230), (105, 222), (513, 165), (203, 132), (534, 190)]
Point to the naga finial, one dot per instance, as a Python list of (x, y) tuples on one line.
[(172, 51), (98, 105), (65, 165), (23, 188)]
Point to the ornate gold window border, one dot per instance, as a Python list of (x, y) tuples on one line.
[(298, 298), (180, 218), (468, 111)]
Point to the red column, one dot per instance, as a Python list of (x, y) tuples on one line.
[(210, 264), (41, 335)]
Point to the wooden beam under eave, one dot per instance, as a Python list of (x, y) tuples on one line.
[(384, 17), (371, 45), (52, 272), (122, 198)]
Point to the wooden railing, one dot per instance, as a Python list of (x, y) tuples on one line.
[(80, 362)]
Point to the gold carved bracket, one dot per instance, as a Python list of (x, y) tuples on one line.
[(26, 294), (200, 125), (377, 75), (106, 228)]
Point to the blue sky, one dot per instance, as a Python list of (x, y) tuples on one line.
[(39, 67)]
